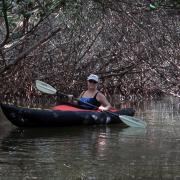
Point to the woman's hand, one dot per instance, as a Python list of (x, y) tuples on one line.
[(102, 108)]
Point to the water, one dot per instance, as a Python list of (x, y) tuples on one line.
[(96, 152)]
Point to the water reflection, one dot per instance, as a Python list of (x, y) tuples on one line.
[(132, 131), (63, 149), (97, 152)]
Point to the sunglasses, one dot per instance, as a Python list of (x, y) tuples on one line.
[(92, 81)]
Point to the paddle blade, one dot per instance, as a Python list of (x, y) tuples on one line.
[(132, 121), (45, 88)]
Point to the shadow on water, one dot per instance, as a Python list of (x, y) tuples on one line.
[(74, 131), (97, 152)]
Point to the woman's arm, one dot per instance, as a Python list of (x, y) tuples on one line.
[(105, 105)]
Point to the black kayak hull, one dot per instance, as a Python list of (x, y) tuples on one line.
[(29, 117)]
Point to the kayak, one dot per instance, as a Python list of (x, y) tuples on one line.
[(61, 115)]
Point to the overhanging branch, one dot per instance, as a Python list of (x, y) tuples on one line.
[(28, 51), (4, 10)]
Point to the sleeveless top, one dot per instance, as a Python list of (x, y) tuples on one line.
[(92, 101)]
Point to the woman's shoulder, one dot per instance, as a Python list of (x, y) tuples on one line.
[(100, 94), (82, 93)]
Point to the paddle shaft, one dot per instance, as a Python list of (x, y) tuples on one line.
[(96, 108), (128, 120), (91, 105)]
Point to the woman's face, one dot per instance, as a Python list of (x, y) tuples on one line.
[(92, 84)]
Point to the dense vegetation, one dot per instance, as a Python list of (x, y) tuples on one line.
[(132, 45)]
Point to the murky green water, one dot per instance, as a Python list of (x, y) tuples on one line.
[(96, 152)]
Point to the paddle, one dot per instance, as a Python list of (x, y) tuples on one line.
[(128, 120)]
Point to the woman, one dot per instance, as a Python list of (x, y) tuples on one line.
[(92, 97)]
